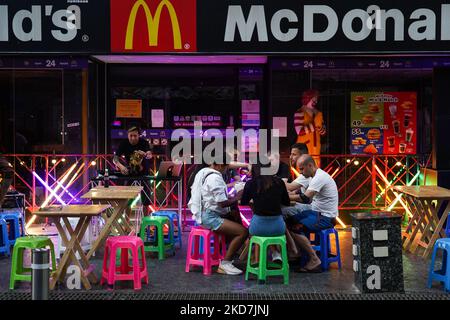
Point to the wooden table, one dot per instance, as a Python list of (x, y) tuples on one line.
[(73, 242), (426, 203), (118, 198)]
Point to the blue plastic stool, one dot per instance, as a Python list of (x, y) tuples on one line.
[(177, 237), (12, 219), (322, 244), (442, 275), (4, 244)]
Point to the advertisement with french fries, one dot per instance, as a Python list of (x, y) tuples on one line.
[(383, 122)]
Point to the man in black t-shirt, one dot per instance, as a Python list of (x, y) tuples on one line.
[(136, 152), (283, 171)]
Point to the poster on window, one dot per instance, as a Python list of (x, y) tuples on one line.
[(383, 122)]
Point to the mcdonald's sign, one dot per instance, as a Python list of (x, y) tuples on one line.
[(153, 26)]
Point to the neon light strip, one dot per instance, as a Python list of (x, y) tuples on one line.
[(389, 184), (400, 195), (335, 171), (48, 188), (341, 223), (45, 203), (395, 193), (295, 171), (233, 189), (33, 218), (133, 204)]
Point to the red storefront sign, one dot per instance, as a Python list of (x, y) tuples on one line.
[(153, 26)]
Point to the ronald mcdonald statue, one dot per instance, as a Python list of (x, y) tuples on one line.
[(308, 123)]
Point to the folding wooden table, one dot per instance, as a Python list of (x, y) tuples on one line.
[(73, 241), (426, 204), (118, 197)]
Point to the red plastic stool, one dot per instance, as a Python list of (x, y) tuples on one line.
[(206, 259), (124, 243)]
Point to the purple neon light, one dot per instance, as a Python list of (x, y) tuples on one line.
[(48, 188), (63, 187), (168, 59)]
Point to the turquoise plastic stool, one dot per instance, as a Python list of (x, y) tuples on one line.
[(442, 275), (172, 215), (4, 245)]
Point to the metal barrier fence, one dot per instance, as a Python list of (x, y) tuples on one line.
[(364, 182)]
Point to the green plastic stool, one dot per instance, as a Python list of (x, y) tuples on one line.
[(160, 246), (18, 272), (261, 270)]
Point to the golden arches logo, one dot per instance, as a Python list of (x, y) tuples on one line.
[(153, 23)]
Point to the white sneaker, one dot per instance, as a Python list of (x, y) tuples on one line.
[(228, 268), (276, 257)]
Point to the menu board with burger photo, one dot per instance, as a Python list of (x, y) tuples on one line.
[(383, 122)]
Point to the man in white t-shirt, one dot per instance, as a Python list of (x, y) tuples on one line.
[(322, 194)]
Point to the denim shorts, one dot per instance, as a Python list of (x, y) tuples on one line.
[(267, 226), (211, 220)]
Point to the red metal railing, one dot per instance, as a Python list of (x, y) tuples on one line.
[(364, 182)]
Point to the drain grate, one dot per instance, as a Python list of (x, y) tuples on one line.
[(101, 295)]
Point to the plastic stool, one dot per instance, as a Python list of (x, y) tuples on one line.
[(124, 243), (442, 275), (4, 245), (161, 247), (172, 215), (261, 270), (14, 226), (18, 272), (322, 244), (207, 259), (221, 253)]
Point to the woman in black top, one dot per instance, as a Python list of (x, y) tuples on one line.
[(268, 194)]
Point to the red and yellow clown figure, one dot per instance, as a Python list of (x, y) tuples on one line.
[(308, 123)]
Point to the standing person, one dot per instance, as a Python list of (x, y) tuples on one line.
[(322, 194), (209, 202), (136, 153), (309, 124), (6, 177)]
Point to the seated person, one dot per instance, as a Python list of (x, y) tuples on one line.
[(209, 202), (135, 152), (268, 193), (323, 195), (281, 168), (6, 177), (232, 175), (299, 184)]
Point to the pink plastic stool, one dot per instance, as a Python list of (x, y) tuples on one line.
[(124, 243), (207, 259)]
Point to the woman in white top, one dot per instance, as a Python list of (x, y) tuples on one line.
[(209, 202)]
